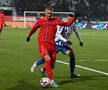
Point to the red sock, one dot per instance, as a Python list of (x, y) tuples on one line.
[(43, 69), (49, 69)]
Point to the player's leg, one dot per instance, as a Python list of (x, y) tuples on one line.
[(53, 60), (35, 64), (41, 61), (48, 67), (0, 32), (58, 48), (46, 55), (1, 28), (69, 52), (43, 71)]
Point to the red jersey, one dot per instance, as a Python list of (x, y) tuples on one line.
[(1, 18), (48, 29)]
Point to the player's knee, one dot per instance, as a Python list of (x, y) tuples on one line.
[(47, 57), (69, 53)]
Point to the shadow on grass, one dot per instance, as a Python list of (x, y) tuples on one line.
[(23, 85), (82, 78)]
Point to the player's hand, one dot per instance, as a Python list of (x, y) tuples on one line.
[(28, 39), (69, 42), (5, 25), (76, 14), (81, 43)]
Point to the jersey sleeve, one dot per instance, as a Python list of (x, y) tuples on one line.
[(58, 33), (76, 32), (35, 27), (68, 23), (59, 29)]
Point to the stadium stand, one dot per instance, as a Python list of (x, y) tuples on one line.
[(92, 9)]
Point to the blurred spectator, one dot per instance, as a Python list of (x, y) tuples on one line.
[(93, 9)]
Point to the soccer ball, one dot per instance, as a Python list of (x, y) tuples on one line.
[(45, 82)]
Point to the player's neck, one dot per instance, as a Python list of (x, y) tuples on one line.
[(48, 19)]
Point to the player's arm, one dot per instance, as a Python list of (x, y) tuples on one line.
[(33, 30), (78, 36), (4, 24), (58, 34), (68, 23), (4, 21)]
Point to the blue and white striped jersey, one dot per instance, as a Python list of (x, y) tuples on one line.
[(63, 34)]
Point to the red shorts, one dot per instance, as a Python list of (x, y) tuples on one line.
[(1, 27), (48, 50)]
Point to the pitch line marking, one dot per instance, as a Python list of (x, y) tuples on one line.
[(93, 70), (97, 60)]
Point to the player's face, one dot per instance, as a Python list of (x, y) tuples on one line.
[(69, 17), (48, 13)]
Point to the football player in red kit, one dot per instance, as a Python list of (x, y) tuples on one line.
[(46, 39), (1, 20)]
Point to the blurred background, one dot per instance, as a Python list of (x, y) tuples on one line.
[(90, 10)]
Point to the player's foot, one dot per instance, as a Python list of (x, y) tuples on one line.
[(73, 75), (53, 84), (34, 66), (42, 72)]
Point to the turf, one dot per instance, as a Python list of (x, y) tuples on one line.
[(17, 56)]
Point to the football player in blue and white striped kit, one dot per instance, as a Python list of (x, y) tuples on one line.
[(63, 45)]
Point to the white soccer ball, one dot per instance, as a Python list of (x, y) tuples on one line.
[(45, 82)]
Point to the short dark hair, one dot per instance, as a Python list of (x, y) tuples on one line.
[(49, 8), (70, 15), (1, 10)]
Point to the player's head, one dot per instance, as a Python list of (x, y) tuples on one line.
[(70, 16), (1, 10), (48, 12)]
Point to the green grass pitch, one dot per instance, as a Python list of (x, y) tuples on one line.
[(17, 57)]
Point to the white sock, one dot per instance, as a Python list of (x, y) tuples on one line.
[(51, 81)]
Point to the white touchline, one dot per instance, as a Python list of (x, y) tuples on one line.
[(96, 60), (97, 71)]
